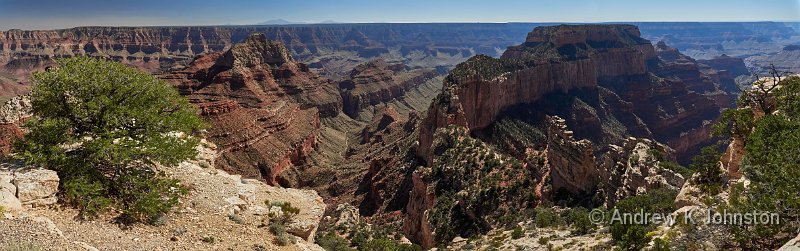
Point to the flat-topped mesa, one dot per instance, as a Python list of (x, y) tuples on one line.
[(575, 34), (613, 49)]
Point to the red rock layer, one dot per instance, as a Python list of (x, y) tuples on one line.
[(264, 108)]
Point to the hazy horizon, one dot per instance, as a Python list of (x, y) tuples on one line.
[(53, 14)]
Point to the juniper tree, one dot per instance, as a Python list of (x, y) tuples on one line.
[(104, 127)]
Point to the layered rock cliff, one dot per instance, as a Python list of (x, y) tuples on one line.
[(560, 59), (376, 82), (331, 49), (264, 108)]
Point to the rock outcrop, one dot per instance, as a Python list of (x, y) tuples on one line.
[(36, 187), (25, 186), (571, 162), (12, 114), (635, 168), (8, 193), (791, 245), (264, 108)]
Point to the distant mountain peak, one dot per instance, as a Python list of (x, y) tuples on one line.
[(279, 21)]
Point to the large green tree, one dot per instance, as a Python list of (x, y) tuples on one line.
[(104, 127)]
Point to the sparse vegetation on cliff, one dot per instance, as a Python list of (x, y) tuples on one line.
[(770, 163), (104, 127), (482, 68), (363, 237), (478, 188)]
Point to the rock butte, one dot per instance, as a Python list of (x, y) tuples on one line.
[(264, 108), (648, 92)]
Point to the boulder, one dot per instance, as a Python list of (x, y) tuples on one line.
[(8, 201), (36, 187), (305, 224), (8, 194), (688, 196)]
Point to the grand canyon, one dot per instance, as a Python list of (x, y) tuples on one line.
[(419, 136)]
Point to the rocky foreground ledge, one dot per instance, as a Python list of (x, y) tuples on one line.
[(221, 212)]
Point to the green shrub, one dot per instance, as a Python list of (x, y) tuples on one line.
[(787, 97), (209, 239), (771, 163), (517, 233), (579, 219), (277, 224), (672, 166), (286, 207), (333, 242), (707, 165), (634, 236), (543, 240), (236, 219), (547, 217), (660, 245), (630, 237), (359, 235), (282, 238), (103, 127), (734, 123), (147, 198), (381, 244)]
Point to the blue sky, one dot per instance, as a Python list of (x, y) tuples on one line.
[(49, 14)]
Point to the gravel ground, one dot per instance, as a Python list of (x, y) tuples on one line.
[(203, 220)]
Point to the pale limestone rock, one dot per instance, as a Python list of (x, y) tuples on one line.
[(305, 223), (36, 187), (8, 194), (688, 196), (346, 215), (15, 109), (632, 170)]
